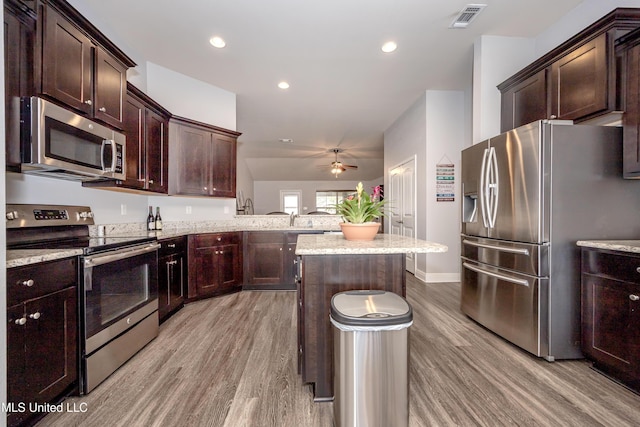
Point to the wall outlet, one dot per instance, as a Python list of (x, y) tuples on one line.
[(226, 209), (123, 209), (188, 210)]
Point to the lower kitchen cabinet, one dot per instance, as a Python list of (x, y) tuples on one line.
[(42, 335), (270, 259), (172, 276), (215, 264), (611, 313)]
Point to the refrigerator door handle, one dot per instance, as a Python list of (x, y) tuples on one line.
[(492, 186), (498, 276), (484, 190), (519, 251)]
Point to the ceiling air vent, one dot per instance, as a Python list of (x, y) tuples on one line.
[(467, 15)]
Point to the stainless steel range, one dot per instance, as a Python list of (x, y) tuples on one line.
[(118, 283)]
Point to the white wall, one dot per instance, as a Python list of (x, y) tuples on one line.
[(446, 129), (187, 97), (434, 129), (267, 193), (495, 60)]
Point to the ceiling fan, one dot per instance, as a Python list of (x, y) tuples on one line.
[(337, 167)]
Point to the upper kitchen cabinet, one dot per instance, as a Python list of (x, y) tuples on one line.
[(629, 45), (579, 80), (202, 159), (146, 126), (80, 67), (19, 33)]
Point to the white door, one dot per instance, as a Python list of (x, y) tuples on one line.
[(403, 204)]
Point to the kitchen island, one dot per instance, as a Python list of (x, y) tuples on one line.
[(330, 264)]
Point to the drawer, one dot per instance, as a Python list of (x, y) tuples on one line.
[(36, 280), (172, 246), (215, 239), (613, 265)]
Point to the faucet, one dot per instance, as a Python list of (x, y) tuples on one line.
[(292, 219)]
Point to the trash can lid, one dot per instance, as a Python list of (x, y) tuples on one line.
[(370, 308)]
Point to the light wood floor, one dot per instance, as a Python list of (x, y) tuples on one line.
[(231, 361)]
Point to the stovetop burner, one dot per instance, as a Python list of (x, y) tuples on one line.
[(60, 227)]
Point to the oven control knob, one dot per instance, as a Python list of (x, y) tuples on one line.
[(35, 316), (21, 321), (12, 215), (85, 214), (29, 283)]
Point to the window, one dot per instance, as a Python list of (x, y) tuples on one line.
[(327, 200), (290, 201)]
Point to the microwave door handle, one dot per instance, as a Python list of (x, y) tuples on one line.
[(111, 167)]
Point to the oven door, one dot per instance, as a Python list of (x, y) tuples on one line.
[(120, 288)]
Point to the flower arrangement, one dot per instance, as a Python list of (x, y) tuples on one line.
[(362, 207)]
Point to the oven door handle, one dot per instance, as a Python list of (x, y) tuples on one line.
[(94, 260)]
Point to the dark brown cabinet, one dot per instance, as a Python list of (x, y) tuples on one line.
[(630, 47), (172, 275), (77, 69), (579, 80), (215, 264), (525, 102), (146, 126), (611, 313), (202, 159), (42, 337), (270, 260), (19, 31)]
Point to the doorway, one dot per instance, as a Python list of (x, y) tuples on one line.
[(402, 216)]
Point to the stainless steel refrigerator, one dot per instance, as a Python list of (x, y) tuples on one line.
[(528, 195)]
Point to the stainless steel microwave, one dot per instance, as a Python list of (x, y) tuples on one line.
[(59, 143)]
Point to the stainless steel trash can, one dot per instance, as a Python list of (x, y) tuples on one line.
[(371, 359)]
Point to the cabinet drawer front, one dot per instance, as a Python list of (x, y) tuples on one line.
[(32, 281), (215, 239), (172, 246), (618, 266), (265, 237)]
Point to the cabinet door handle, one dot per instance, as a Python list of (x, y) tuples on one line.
[(171, 245), (150, 181), (29, 283), (35, 316), (634, 297), (88, 102), (21, 321), (638, 269), (102, 109)]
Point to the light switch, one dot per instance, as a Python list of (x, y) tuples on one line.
[(123, 209)]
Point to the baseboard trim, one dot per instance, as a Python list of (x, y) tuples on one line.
[(437, 277)]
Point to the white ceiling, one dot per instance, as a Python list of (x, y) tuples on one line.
[(345, 92)]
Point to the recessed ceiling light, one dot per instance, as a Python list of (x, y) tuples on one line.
[(286, 140), (389, 47), (283, 85), (217, 42)]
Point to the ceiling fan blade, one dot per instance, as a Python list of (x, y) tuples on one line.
[(350, 166)]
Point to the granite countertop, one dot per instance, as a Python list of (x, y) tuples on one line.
[(336, 244), (20, 257), (612, 245)]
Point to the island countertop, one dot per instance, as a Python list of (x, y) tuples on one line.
[(336, 244)]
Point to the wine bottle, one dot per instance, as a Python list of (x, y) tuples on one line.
[(158, 220), (151, 221)]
